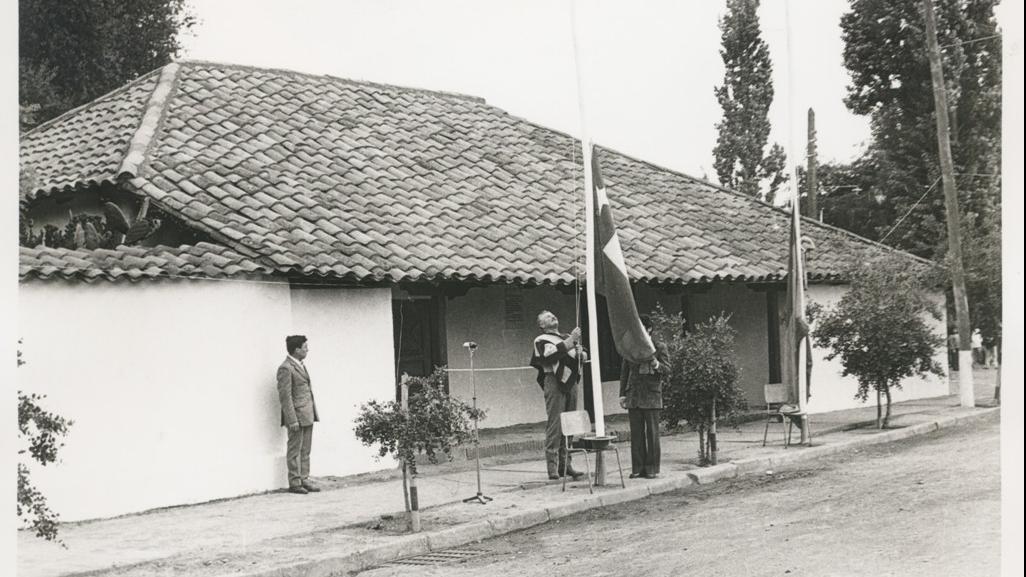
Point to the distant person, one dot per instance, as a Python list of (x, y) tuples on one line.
[(978, 354), (641, 393), (555, 355), (298, 413)]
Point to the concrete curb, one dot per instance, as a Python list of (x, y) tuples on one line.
[(452, 537)]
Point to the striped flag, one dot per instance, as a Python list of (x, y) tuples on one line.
[(611, 280), (796, 326)]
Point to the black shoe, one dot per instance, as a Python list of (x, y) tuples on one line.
[(651, 476), (298, 489), (553, 477), (311, 488), (635, 475), (575, 475)]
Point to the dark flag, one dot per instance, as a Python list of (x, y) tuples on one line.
[(611, 280), (796, 326)]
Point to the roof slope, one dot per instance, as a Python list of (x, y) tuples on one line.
[(362, 181)]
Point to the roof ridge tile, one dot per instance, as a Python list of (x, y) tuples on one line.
[(140, 143)]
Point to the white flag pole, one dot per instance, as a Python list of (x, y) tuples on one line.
[(589, 228)]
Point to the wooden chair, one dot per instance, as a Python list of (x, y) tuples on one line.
[(778, 410), (578, 438)]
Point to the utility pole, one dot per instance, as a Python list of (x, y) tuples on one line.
[(811, 210), (940, 99)]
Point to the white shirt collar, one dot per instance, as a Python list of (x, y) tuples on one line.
[(298, 362)]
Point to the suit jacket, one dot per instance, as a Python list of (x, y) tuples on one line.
[(644, 389), (295, 395)]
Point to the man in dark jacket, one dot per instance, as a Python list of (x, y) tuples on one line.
[(641, 393)]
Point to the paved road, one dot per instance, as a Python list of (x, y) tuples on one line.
[(929, 506)]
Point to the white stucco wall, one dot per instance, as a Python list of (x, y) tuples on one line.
[(171, 385), (350, 363), (747, 311), (831, 391), (510, 396), (513, 397)]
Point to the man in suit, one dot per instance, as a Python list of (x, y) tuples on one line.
[(298, 413), (641, 393)]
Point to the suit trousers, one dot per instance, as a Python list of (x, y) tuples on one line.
[(556, 402), (645, 452), (297, 455)]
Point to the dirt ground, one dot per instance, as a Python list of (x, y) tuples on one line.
[(929, 506)]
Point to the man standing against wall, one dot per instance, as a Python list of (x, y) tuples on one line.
[(556, 356), (298, 413)]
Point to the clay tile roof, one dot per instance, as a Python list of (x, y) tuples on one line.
[(202, 260), (363, 181)]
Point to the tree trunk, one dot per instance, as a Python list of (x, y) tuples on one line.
[(414, 499), (712, 435), (879, 419), (701, 446), (887, 415)]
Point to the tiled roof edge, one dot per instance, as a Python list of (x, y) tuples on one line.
[(294, 73), (77, 109), (96, 271), (139, 145), (873, 243)]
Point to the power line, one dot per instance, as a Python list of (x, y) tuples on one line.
[(974, 40), (909, 212)]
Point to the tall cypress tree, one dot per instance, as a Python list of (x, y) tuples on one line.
[(741, 159)]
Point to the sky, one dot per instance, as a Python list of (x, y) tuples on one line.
[(647, 68)]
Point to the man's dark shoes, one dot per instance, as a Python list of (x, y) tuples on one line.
[(553, 477), (298, 489), (311, 488), (634, 475), (575, 475)]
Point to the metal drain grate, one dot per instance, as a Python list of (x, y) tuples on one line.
[(439, 557)]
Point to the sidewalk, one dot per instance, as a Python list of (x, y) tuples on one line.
[(360, 524)]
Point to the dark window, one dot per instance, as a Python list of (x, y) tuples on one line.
[(773, 334), (419, 336)]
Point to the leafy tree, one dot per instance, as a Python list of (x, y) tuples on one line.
[(73, 52), (879, 329), (885, 54), (741, 159), (434, 424), (982, 259), (847, 197), (703, 372), (40, 432)]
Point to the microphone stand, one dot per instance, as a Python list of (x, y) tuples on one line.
[(479, 497)]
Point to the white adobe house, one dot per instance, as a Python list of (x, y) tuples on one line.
[(387, 224)]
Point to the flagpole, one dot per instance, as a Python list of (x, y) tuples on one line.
[(589, 231)]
